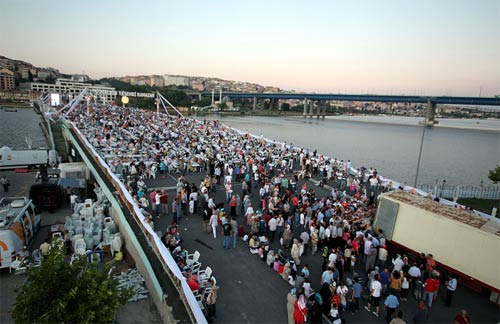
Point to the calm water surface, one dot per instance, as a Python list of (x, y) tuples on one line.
[(459, 151), (16, 126)]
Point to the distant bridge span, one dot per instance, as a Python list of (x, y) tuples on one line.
[(431, 101), (482, 101)]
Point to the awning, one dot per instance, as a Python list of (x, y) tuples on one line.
[(71, 183)]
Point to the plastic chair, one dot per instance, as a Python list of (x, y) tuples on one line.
[(116, 245), (195, 267), (80, 246), (192, 258), (74, 238), (15, 265), (205, 275), (37, 257), (108, 221)]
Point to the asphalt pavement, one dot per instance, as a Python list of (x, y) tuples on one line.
[(251, 292)]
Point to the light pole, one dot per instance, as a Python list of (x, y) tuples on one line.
[(442, 188), (481, 190), (419, 156)]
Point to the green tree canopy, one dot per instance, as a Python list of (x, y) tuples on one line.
[(58, 292), (494, 174)]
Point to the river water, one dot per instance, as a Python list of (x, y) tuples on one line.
[(16, 126), (457, 150)]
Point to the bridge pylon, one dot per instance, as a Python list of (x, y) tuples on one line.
[(430, 115)]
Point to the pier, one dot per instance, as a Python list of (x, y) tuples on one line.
[(250, 290)]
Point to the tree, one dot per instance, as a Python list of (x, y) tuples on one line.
[(495, 175), (58, 292), (205, 101), (223, 106)]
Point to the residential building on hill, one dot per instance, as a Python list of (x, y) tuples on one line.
[(6, 79), (177, 80)]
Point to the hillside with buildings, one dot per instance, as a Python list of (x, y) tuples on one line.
[(21, 81), (27, 72), (197, 83)]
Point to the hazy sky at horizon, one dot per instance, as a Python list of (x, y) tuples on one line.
[(439, 47)]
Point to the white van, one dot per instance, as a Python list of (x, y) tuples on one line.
[(19, 222), (74, 170)]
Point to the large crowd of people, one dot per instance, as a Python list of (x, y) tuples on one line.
[(268, 206)]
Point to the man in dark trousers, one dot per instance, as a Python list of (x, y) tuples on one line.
[(451, 286), (5, 183)]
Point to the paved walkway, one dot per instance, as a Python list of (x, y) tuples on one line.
[(250, 291)]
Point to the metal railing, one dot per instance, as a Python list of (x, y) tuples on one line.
[(449, 191)]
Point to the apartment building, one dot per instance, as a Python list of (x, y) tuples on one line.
[(73, 88), (6, 79)]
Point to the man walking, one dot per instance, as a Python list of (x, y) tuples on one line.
[(164, 202), (375, 292), (451, 286), (234, 230), (5, 183), (430, 287), (226, 227), (157, 201), (357, 289), (391, 303), (273, 226)]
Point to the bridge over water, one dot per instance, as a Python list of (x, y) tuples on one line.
[(308, 98)]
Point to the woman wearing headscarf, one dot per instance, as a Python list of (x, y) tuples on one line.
[(290, 306), (300, 309), (287, 237), (295, 253), (286, 271)]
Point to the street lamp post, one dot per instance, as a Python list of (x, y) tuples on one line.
[(442, 187), (419, 156)]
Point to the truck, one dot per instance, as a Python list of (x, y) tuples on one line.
[(13, 159), (74, 170), (461, 242), (19, 222)]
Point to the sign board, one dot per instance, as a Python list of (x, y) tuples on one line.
[(55, 99)]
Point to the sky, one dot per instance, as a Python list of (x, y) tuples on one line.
[(425, 47)]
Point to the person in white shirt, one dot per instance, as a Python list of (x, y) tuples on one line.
[(332, 258), (273, 226), (342, 291), (72, 199), (157, 203), (398, 263), (375, 292), (214, 222), (451, 286), (382, 256)]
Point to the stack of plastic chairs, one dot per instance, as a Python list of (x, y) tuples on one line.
[(116, 244)]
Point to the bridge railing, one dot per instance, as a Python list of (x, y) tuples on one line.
[(169, 265)]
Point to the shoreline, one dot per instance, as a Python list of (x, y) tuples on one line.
[(345, 118)]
